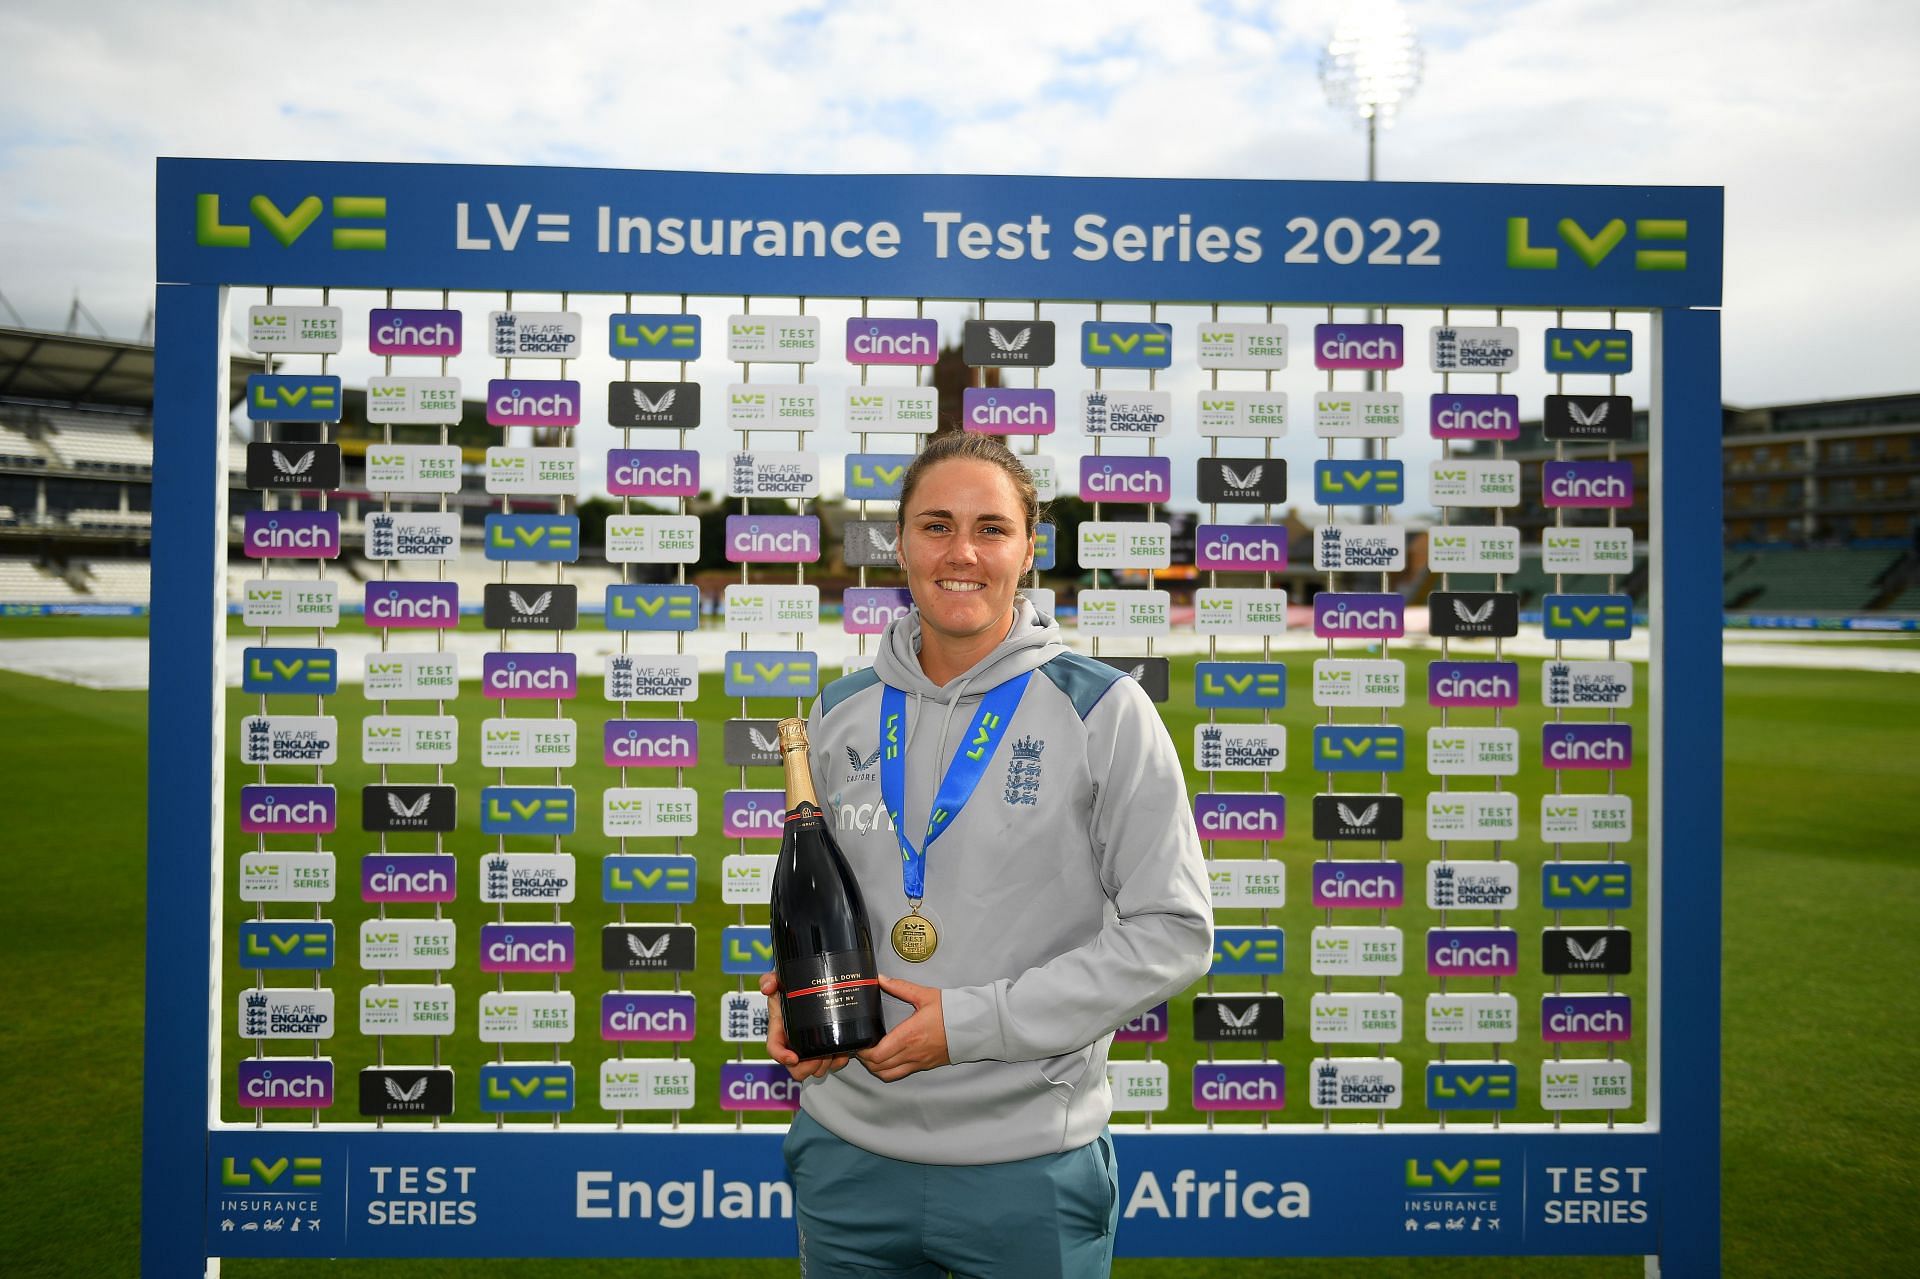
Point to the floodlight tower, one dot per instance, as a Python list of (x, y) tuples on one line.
[(1371, 65)]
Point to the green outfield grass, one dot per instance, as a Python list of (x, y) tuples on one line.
[(1820, 890)]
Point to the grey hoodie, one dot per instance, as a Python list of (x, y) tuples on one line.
[(1069, 894)]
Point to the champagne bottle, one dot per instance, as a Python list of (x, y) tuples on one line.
[(822, 947)]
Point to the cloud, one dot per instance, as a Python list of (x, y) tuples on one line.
[(1786, 106)]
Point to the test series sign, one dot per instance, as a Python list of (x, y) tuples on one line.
[(463, 227), (292, 1193)]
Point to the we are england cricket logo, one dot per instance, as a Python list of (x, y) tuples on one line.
[(1023, 772)]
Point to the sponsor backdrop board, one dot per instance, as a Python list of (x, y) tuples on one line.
[(1267, 1181)]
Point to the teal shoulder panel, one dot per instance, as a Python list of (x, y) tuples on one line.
[(1082, 679), (844, 687)]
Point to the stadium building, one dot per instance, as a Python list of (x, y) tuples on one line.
[(1822, 500), (76, 469), (1821, 505)]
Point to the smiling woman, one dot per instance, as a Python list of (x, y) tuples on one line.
[(1068, 897), (967, 514)]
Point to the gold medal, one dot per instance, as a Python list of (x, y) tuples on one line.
[(914, 938)]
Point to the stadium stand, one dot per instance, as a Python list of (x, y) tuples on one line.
[(17, 448), (86, 442), (1822, 579), (118, 581), (24, 582), (110, 521)]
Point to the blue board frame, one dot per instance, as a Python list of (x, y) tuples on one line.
[(185, 1149)]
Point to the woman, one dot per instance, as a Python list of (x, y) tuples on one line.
[(1061, 894)]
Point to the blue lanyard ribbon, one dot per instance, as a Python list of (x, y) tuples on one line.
[(984, 731)]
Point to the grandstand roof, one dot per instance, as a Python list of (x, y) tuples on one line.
[(67, 368)]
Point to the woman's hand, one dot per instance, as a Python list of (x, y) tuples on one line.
[(781, 1051), (916, 1044)]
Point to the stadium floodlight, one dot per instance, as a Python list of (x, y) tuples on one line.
[(1371, 65)]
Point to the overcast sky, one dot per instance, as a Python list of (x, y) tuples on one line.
[(1801, 111)]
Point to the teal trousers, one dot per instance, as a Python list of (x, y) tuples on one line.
[(864, 1215)]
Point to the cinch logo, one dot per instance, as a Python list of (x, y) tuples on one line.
[(635, 743), (1473, 684), (1236, 1086), (747, 1085), (656, 337), (869, 611), (528, 674), (1588, 483), (1337, 614), (1150, 1027), (533, 537), (1475, 417), (747, 814), (1008, 411), (888, 341), (1242, 548), (290, 670), (404, 877), (1358, 346), (1586, 1018), (307, 1172), (1471, 954), (1337, 884), (1523, 255), (401, 332), (533, 403), (1587, 746), (1141, 479), (1341, 749), (287, 810), (291, 397), (1338, 483), (526, 948), (404, 604), (1262, 817), (286, 1083), (653, 473), (773, 538), (646, 1017), (1429, 1174), (357, 210)]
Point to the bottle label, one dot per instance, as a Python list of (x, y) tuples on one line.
[(821, 990)]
